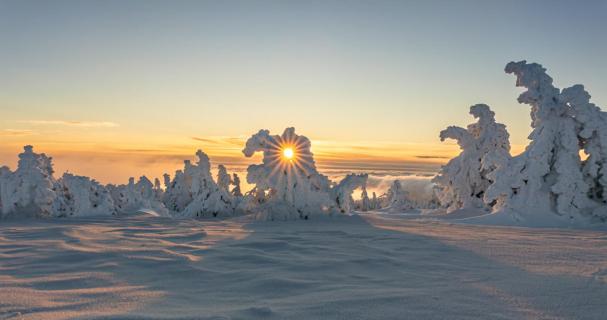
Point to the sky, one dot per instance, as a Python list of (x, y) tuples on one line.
[(113, 89)]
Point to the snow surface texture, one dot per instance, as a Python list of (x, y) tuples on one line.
[(382, 267), (292, 188)]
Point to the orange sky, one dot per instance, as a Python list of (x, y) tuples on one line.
[(114, 161)]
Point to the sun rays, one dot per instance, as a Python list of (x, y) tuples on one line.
[(288, 153)]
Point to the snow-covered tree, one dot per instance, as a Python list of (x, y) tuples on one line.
[(547, 176), (142, 195), (294, 187), (5, 189), (342, 192), (236, 191), (81, 196), (158, 192), (593, 139), (193, 193), (365, 202), (375, 203), (28, 191), (223, 178), (398, 198), (463, 181)]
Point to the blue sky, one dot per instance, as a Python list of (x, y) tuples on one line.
[(342, 72)]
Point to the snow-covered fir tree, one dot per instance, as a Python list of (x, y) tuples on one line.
[(463, 181), (80, 196), (365, 202), (547, 176), (194, 193), (398, 198), (236, 191), (223, 178), (29, 190)]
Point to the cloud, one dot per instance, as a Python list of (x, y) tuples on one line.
[(205, 140), (83, 124), (431, 157), (419, 187), (222, 140), (16, 133)]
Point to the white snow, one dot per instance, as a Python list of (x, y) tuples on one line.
[(194, 193), (362, 267), (287, 189), (463, 182)]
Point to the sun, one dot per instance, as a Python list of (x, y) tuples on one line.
[(288, 153)]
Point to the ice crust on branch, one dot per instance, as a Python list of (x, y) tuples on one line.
[(464, 180)]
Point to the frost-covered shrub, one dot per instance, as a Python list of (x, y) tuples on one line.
[(463, 181)]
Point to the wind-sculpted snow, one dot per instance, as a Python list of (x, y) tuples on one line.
[(463, 181), (372, 266)]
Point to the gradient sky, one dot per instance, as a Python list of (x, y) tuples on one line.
[(119, 88)]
